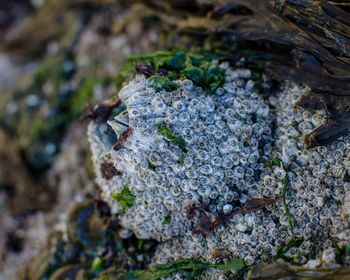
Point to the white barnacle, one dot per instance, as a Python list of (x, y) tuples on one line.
[(227, 208), (328, 256)]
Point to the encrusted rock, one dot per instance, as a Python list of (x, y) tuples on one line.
[(186, 147)]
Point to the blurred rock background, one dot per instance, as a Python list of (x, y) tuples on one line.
[(56, 58)]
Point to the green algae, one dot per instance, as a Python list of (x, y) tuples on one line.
[(346, 250), (175, 62), (161, 82), (191, 268), (43, 73), (181, 159), (195, 67), (207, 75), (343, 253), (167, 218), (167, 66), (178, 140), (273, 162), (125, 199), (97, 265), (282, 250), (289, 215), (278, 162)]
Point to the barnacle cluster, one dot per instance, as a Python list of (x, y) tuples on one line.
[(186, 147), (318, 188), (171, 149)]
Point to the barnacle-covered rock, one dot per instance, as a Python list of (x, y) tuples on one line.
[(180, 148), (182, 164)]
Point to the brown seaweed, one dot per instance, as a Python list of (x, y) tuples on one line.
[(209, 221), (108, 170), (121, 140), (338, 117)]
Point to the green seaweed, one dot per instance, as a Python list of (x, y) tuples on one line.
[(289, 215), (43, 73), (273, 162), (347, 250), (194, 74), (196, 66), (97, 265), (343, 253), (207, 75), (191, 268), (282, 250), (125, 199), (175, 62), (178, 140), (167, 218), (162, 82), (152, 57), (181, 159), (140, 244), (277, 162)]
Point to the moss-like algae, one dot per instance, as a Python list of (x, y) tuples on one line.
[(125, 199), (284, 249), (167, 66), (277, 162), (167, 218), (161, 82), (273, 162), (178, 140), (181, 159), (191, 268)]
